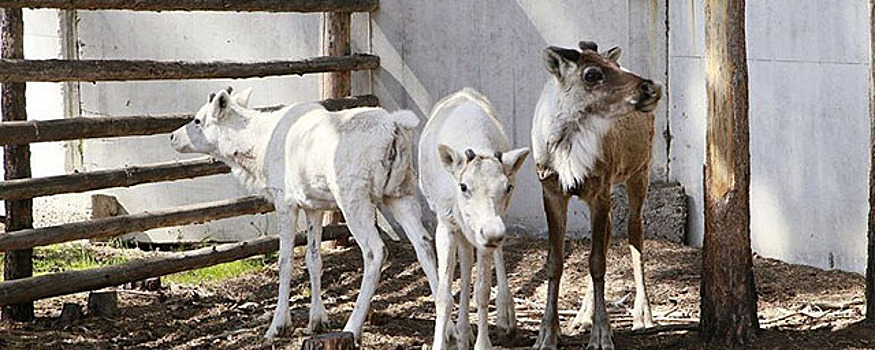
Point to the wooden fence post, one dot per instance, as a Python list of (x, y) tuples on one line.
[(16, 162), (336, 42)]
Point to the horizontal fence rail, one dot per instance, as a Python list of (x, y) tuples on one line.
[(45, 286), (126, 177), (25, 132), (118, 225), (201, 5), (17, 70)]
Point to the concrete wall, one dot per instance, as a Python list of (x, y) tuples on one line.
[(808, 67), (433, 48), (808, 63)]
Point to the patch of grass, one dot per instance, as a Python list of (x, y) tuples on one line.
[(72, 256), (221, 272)]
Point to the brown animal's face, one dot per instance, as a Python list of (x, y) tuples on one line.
[(593, 83)]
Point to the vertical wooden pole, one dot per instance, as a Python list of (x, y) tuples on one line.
[(16, 161), (728, 306), (870, 268), (336, 42)]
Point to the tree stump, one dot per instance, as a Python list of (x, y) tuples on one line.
[(103, 304), (330, 341), (69, 314)]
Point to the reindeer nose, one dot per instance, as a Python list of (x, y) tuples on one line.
[(649, 89)]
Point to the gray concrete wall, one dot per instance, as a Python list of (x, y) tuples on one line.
[(808, 64), (808, 67), (432, 48)]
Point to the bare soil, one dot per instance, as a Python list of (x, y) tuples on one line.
[(800, 307)]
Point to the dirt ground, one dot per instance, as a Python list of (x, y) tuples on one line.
[(800, 307)]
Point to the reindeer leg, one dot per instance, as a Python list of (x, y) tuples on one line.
[(361, 218), (446, 256), (636, 187), (583, 318), (600, 211), (318, 316), (287, 216), (464, 335), (504, 299), (407, 212), (483, 287), (556, 207)]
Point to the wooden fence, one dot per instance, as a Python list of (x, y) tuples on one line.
[(19, 288)]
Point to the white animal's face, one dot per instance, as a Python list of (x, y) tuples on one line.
[(594, 84), (483, 191), (203, 133)]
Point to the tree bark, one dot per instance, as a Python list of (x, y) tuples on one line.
[(16, 162), (20, 70), (728, 306), (200, 5), (870, 268)]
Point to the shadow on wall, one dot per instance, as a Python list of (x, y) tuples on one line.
[(431, 49)]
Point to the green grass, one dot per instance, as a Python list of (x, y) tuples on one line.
[(219, 272), (75, 256)]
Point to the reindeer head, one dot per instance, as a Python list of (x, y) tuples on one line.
[(594, 84), (205, 131), (484, 187)]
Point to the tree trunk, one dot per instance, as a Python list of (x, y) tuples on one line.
[(728, 308), (870, 268), (16, 162)]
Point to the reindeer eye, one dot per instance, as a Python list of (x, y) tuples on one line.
[(509, 188), (463, 187), (197, 122), (593, 75)]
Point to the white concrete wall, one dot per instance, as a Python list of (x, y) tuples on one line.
[(196, 37), (808, 67), (808, 63), (432, 48)]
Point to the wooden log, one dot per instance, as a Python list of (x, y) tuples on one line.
[(200, 5), (45, 286), (330, 341), (336, 42), (70, 313), (114, 226), (63, 129), (728, 295), (125, 177), (103, 304), (19, 70), (16, 161)]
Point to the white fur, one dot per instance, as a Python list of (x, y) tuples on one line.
[(574, 157), (466, 120), (305, 157)]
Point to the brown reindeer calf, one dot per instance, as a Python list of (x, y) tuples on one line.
[(592, 129)]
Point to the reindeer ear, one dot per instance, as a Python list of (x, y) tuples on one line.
[(613, 53), (242, 98), (450, 159), (513, 160), (558, 61)]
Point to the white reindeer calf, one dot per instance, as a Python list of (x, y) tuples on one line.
[(304, 157), (467, 175)]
